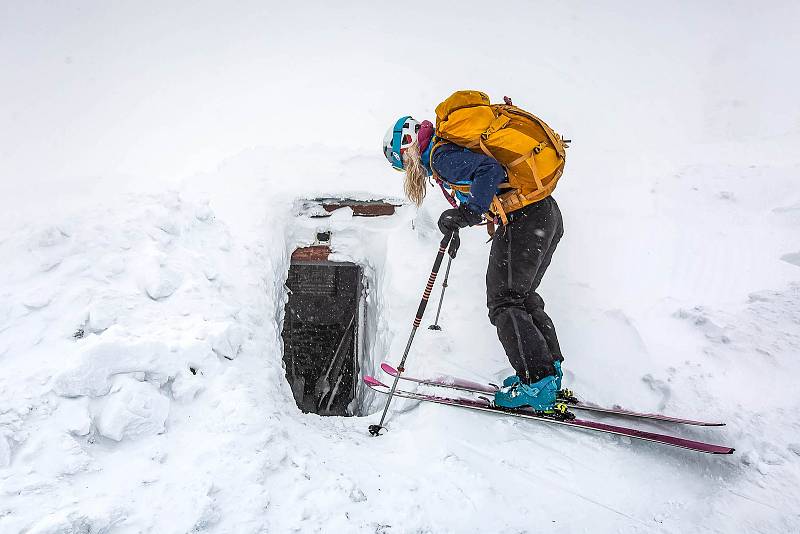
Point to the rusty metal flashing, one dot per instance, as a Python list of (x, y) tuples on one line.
[(363, 210), (321, 207)]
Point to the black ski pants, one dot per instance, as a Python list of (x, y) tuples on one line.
[(521, 252)]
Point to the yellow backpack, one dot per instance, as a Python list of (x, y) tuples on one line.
[(530, 151)]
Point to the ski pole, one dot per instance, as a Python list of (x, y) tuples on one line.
[(376, 429), (452, 254)]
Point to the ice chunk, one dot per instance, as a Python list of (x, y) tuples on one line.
[(136, 410), (98, 361), (73, 416), (99, 358), (186, 386), (162, 283), (101, 316), (71, 458), (227, 340)]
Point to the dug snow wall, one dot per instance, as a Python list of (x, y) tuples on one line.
[(329, 321), (141, 339)]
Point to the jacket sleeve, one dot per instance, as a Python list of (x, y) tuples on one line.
[(455, 164)]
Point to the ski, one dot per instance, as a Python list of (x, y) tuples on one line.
[(486, 406), (451, 382)]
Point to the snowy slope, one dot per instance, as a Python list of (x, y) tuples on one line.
[(150, 164)]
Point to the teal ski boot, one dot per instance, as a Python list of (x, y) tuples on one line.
[(541, 395), (559, 373), (565, 395)]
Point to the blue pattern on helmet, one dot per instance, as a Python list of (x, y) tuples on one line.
[(397, 139)]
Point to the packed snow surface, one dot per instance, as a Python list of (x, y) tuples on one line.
[(152, 168)]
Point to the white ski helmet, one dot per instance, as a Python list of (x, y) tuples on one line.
[(399, 137)]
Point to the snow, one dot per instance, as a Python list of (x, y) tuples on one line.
[(154, 171), (133, 409)]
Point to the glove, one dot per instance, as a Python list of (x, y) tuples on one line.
[(455, 242), (452, 220)]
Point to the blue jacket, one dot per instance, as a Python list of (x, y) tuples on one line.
[(458, 165)]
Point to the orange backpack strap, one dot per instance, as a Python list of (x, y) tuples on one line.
[(497, 209)]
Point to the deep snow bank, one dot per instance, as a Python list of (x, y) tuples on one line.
[(169, 409), (123, 323), (123, 316)]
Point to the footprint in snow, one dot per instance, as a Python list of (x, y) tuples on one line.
[(52, 236), (660, 387)]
